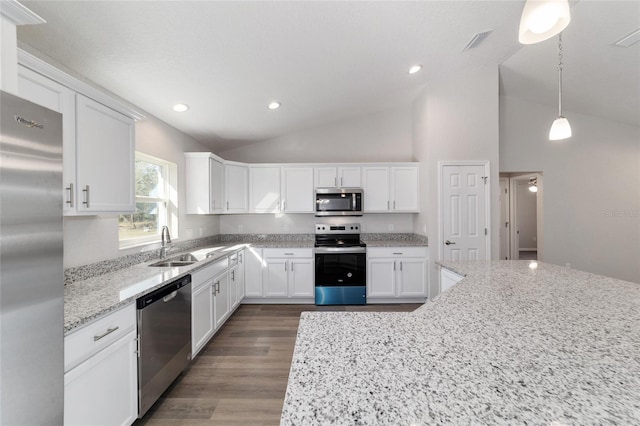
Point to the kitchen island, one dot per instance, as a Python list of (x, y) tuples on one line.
[(509, 344)]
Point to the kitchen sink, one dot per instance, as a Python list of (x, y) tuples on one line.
[(172, 262)]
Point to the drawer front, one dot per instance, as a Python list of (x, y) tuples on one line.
[(92, 338), (397, 252), (202, 275), (286, 252)]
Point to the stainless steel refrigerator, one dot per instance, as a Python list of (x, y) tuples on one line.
[(31, 268)]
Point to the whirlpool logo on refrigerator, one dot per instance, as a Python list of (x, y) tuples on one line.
[(29, 123)]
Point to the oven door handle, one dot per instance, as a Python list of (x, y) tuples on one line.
[(333, 250)]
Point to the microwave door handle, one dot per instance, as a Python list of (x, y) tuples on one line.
[(353, 200)]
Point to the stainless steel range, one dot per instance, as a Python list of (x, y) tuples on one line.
[(341, 265)]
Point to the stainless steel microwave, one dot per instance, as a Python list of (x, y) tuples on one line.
[(339, 202)]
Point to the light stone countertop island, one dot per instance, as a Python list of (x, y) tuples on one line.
[(507, 345)]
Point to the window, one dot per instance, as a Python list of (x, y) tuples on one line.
[(155, 202)]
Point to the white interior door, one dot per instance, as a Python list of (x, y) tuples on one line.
[(463, 209)]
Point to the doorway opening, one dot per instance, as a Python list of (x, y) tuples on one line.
[(521, 228)]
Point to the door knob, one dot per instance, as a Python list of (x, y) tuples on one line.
[(448, 242)]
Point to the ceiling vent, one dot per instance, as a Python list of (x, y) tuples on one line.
[(629, 40), (477, 39)]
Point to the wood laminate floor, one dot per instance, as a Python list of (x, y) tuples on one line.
[(240, 377)]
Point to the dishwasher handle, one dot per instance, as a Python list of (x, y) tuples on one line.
[(169, 297)]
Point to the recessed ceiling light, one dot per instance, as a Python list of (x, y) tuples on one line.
[(414, 69), (180, 107), (274, 105)]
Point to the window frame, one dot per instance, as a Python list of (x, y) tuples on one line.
[(168, 215)]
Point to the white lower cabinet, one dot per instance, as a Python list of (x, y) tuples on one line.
[(396, 274), (217, 290), (253, 264), (100, 380), (279, 275), (239, 277), (201, 315), (288, 273), (220, 293), (448, 279)]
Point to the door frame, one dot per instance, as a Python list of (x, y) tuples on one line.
[(514, 242), (487, 195)]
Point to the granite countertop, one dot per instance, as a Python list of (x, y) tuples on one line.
[(509, 344), (89, 299), (102, 291)]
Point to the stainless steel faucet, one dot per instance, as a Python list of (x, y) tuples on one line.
[(166, 241)]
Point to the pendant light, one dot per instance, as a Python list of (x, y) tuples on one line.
[(560, 129), (543, 19)]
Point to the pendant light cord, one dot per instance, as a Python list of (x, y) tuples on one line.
[(560, 74)]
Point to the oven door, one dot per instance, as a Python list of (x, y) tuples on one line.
[(341, 267)]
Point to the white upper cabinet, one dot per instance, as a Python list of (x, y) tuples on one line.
[(297, 189), (338, 177), (105, 156), (43, 91), (390, 189), (98, 147), (375, 184), (404, 189), (236, 184), (204, 183), (264, 189)]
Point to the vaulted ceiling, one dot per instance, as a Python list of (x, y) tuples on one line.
[(325, 61)]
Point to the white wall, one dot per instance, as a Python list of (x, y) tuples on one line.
[(456, 119), (95, 238), (305, 223), (384, 136), (592, 186)]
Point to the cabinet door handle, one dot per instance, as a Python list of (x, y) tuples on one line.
[(227, 205), (341, 184), (233, 275), (86, 196), (70, 189), (335, 181), (285, 266), (240, 258), (388, 206), (394, 265), (291, 266), (284, 205), (400, 266), (394, 204), (105, 334)]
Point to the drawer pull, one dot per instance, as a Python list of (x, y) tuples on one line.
[(106, 333), (288, 254), (397, 253), (169, 297)]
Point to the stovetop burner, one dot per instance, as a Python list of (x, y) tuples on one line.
[(347, 235)]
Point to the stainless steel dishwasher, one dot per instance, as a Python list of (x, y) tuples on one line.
[(164, 339)]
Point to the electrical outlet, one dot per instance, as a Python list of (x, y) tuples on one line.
[(189, 233), (391, 227), (241, 228)]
